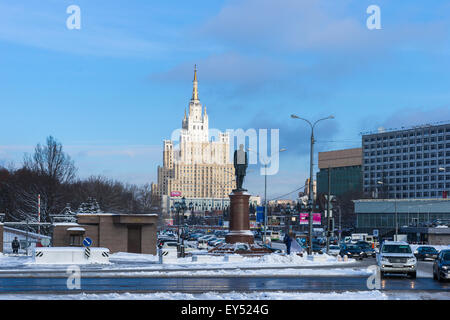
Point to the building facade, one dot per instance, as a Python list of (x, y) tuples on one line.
[(408, 163), (382, 215), (199, 166), (345, 171)]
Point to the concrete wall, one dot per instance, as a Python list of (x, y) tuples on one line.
[(439, 239), (340, 158), (111, 231), (1, 237), (148, 239)]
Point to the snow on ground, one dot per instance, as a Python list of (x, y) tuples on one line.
[(277, 295), (235, 260)]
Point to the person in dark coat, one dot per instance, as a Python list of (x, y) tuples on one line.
[(287, 241), (15, 245)]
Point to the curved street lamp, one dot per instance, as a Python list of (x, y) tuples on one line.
[(310, 196)]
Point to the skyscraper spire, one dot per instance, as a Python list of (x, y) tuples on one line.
[(195, 89)]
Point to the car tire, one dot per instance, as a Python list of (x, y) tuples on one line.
[(439, 276), (413, 275), (382, 274)]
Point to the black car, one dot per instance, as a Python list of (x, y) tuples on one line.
[(274, 250), (352, 251), (441, 266), (317, 249), (367, 249), (424, 252)]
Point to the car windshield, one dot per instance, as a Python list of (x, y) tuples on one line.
[(363, 245), (334, 247), (396, 248), (354, 247), (446, 256), (427, 249)]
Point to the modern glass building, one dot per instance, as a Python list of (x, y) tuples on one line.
[(377, 214), (409, 163), (345, 171)]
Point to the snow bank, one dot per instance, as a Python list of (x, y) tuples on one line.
[(277, 295)]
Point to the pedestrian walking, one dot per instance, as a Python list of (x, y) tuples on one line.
[(288, 241), (15, 246)]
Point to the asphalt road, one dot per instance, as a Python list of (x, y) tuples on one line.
[(218, 284)]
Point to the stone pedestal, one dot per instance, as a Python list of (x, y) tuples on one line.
[(239, 219)]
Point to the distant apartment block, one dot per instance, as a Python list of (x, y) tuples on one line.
[(407, 163)]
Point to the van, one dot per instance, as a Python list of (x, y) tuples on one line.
[(275, 236)]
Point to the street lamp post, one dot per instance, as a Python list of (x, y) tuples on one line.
[(311, 195), (265, 163)]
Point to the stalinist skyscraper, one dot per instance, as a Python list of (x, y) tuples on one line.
[(199, 168)]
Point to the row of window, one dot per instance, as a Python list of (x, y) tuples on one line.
[(403, 219), (410, 157), (406, 142), (416, 133), (408, 165), (425, 186), (409, 150), (410, 195), (411, 179)]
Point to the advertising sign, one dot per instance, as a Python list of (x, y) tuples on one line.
[(175, 194), (169, 222), (304, 218)]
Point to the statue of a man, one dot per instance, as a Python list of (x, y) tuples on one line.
[(240, 166)]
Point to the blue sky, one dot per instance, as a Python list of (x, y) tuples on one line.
[(112, 91)]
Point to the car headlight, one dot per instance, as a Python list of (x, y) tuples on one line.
[(412, 260), (444, 268)]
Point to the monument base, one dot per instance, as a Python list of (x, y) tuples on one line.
[(247, 249), (239, 218)]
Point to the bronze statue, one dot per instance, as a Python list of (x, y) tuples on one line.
[(240, 167)]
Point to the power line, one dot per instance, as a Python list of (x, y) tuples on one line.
[(284, 195)]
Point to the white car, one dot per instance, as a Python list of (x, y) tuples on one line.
[(334, 250), (397, 257)]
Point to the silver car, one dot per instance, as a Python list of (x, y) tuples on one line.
[(397, 257)]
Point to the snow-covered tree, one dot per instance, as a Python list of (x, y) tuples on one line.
[(90, 206)]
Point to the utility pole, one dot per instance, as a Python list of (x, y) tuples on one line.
[(328, 210)]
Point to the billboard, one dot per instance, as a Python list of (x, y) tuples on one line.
[(169, 222), (304, 218), (175, 193)]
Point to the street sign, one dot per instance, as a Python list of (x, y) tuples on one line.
[(45, 242), (87, 242), (260, 214)]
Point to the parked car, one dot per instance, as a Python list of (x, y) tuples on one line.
[(351, 251), (317, 249), (274, 250), (334, 250), (441, 266), (426, 252), (397, 257), (367, 249)]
